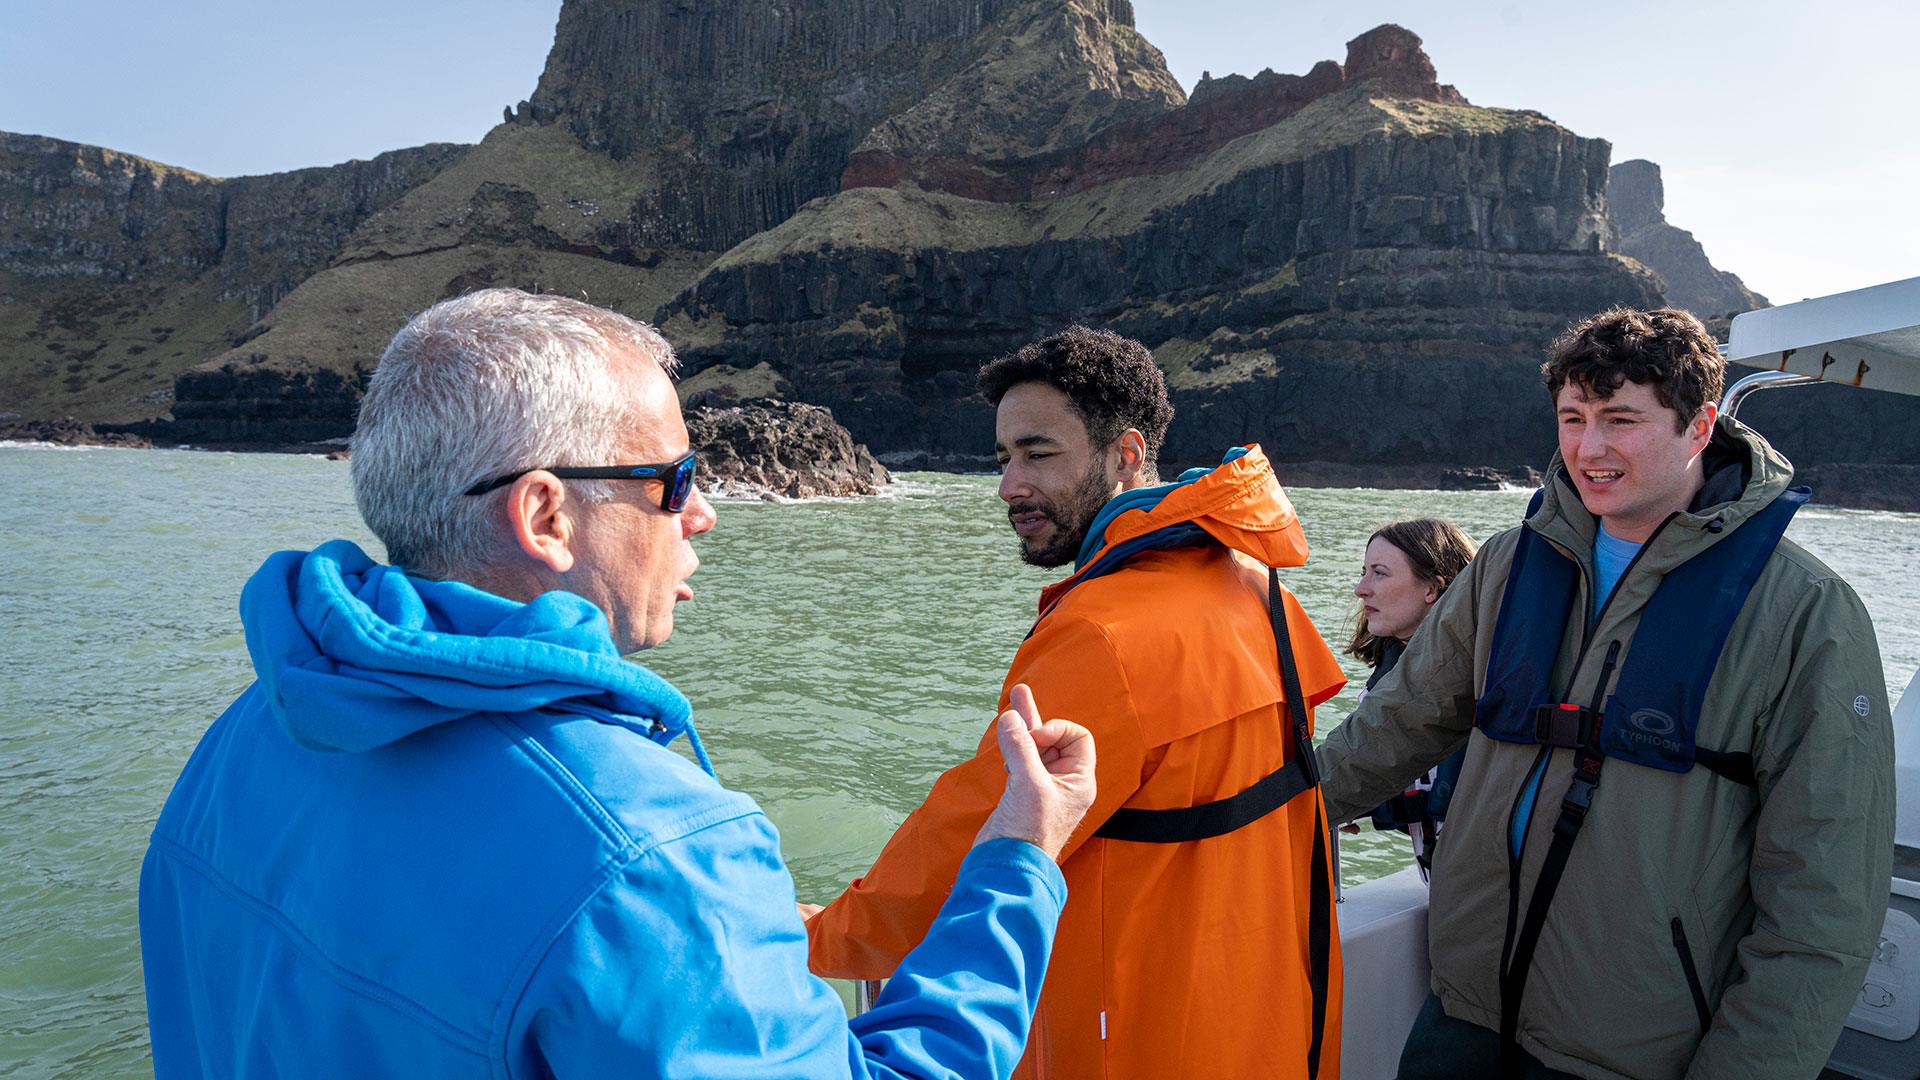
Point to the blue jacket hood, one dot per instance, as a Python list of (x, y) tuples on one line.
[(355, 655), (426, 843)]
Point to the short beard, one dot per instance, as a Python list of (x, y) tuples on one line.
[(1070, 518)]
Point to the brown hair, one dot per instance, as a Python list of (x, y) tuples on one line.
[(1666, 348), (1437, 550)]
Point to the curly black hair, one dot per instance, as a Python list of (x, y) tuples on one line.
[(1112, 382), (1666, 348)]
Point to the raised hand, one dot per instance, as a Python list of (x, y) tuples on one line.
[(1050, 783)]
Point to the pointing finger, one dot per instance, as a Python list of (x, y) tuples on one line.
[(1021, 701), (1017, 750)]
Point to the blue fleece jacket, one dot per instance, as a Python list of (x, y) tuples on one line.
[(442, 835)]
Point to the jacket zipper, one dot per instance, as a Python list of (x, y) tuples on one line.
[(1587, 627), (1514, 860), (1693, 975), (1606, 672)]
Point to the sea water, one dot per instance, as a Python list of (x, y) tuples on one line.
[(839, 654)]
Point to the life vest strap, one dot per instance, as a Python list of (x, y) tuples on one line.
[(1735, 767), (1206, 820), (1179, 825)]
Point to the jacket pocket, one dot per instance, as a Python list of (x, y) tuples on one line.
[(1693, 975)]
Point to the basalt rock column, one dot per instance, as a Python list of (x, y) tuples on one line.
[(752, 107)]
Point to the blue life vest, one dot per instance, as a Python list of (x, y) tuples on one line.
[(1654, 711)]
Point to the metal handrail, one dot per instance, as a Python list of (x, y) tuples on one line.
[(865, 993), (1759, 380), (1339, 889)]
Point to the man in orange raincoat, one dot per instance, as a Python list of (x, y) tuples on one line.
[(1198, 935)]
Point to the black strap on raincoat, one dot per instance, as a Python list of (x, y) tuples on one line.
[(1298, 776)]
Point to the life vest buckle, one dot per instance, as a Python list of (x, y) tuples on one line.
[(1563, 724), (1573, 809)]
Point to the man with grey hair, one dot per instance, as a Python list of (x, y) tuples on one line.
[(442, 833)]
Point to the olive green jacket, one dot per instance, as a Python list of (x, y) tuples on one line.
[(1775, 893)]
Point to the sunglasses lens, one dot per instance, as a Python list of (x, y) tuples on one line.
[(682, 486)]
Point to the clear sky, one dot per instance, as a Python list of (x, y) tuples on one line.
[(1788, 132)]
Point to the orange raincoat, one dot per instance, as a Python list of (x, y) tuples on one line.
[(1172, 959)]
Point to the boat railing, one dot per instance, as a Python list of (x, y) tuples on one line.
[(865, 993), (1759, 380)]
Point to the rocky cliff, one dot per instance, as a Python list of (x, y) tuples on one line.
[(660, 133), (948, 144), (118, 273), (855, 202), (1636, 205), (749, 108), (1358, 240), (528, 207)]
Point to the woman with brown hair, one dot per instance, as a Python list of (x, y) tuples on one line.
[(1409, 564)]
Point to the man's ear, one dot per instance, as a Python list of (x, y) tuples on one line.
[(1700, 430), (1128, 457), (542, 526)]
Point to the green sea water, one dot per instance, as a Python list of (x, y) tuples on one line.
[(839, 655)]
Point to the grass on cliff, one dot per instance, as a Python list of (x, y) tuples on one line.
[(341, 318), (107, 352), (468, 228), (1414, 117), (1223, 358), (579, 192)]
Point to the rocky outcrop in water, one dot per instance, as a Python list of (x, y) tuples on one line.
[(779, 449), (1636, 205), (67, 431), (1864, 487)]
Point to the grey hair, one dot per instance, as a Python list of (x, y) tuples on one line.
[(483, 385)]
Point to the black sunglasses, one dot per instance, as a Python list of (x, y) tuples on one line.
[(676, 475)]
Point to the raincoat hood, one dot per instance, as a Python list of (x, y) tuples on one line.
[(354, 655), (1239, 504)]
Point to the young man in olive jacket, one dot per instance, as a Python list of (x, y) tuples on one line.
[(1672, 845)]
